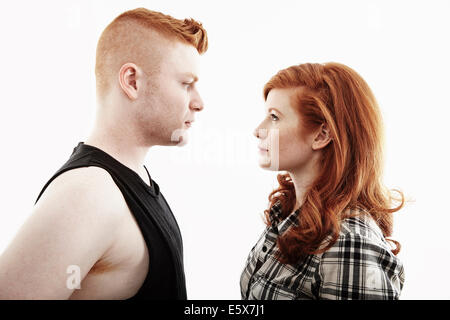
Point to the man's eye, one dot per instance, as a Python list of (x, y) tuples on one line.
[(274, 117), (187, 84)]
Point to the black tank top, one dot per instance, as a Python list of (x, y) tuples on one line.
[(165, 279)]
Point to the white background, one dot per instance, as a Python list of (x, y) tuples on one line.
[(214, 185)]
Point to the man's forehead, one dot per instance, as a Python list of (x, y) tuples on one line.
[(183, 53), (181, 61)]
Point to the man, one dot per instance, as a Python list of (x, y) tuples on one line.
[(101, 229)]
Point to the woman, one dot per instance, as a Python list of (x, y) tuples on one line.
[(328, 220)]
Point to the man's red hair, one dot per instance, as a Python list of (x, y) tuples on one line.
[(124, 37), (351, 165)]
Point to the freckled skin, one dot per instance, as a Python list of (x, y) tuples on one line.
[(298, 151), (164, 100), (294, 145), (172, 97)]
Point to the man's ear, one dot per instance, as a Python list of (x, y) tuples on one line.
[(322, 137), (128, 80)]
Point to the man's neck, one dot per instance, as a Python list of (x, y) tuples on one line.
[(121, 147)]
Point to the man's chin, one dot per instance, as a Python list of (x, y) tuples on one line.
[(179, 138), (182, 141)]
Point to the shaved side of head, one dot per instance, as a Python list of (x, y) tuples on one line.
[(141, 36)]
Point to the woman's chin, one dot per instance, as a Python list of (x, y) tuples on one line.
[(264, 162)]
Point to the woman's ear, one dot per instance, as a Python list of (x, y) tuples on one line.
[(128, 81), (322, 137)]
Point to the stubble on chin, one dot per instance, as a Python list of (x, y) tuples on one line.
[(179, 137)]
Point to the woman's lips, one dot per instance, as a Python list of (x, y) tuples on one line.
[(262, 150)]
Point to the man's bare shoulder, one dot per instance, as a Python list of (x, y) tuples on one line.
[(88, 188), (75, 222)]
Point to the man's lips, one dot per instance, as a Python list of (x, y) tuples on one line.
[(189, 123)]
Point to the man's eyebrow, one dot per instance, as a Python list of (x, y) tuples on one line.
[(191, 75)]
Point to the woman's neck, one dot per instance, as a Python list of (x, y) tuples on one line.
[(302, 179)]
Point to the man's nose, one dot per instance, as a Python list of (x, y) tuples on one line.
[(197, 103), (196, 106)]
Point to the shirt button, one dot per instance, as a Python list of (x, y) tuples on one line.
[(264, 248)]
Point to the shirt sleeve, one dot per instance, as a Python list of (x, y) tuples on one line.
[(357, 267)]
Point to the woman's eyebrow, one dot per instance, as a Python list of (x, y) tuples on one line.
[(275, 109)]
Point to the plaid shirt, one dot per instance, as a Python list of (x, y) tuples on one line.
[(360, 265)]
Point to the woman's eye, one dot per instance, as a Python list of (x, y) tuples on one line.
[(274, 117), (187, 84)]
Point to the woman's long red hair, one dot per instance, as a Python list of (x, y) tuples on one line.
[(351, 165)]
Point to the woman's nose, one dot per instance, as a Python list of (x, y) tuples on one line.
[(260, 133)]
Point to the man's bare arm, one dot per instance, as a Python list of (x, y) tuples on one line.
[(73, 224)]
